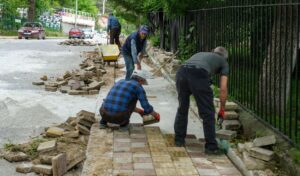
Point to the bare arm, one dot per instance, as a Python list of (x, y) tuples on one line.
[(223, 91)]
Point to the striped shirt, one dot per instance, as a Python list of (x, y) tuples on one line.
[(122, 94)]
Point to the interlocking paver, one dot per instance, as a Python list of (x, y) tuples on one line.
[(186, 171), (208, 172), (142, 160), (165, 172), (122, 172), (162, 159), (144, 172), (123, 166), (143, 165)]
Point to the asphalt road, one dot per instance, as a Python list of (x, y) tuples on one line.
[(26, 109)]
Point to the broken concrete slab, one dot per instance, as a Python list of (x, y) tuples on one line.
[(226, 134), (78, 159), (45, 159), (241, 147), (54, 132), (74, 84), (264, 141), (84, 122), (231, 125), (89, 116), (51, 84), (24, 168), (94, 85), (252, 163), (93, 92), (231, 106), (42, 169), (67, 75), (15, 156), (90, 68), (44, 78), (261, 153), (83, 130), (71, 134), (78, 92), (59, 164), (248, 146), (47, 146), (63, 82), (38, 83)]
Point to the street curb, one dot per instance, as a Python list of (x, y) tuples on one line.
[(16, 37), (237, 161)]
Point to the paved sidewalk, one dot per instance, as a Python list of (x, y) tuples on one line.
[(142, 151)]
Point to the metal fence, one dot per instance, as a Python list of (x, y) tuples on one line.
[(262, 37)]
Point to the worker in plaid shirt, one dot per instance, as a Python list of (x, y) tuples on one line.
[(121, 101)]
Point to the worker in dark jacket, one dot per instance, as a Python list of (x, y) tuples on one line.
[(193, 78), (134, 45), (114, 30), (121, 101)]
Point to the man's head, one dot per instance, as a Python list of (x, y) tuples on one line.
[(143, 31), (220, 50), (140, 76)]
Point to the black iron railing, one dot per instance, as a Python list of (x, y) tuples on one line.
[(262, 37)]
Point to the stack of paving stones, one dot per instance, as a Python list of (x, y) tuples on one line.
[(86, 81), (77, 42), (63, 149), (142, 151), (231, 124), (258, 153)]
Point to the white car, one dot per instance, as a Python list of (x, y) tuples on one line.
[(88, 33)]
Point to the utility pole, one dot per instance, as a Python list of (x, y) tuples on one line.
[(76, 11)]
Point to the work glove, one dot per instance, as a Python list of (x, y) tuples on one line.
[(157, 116), (221, 117)]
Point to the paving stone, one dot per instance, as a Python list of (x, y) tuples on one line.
[(264, 141), (46, 159), (51, 84), (59, 164), (226, 134), (231, 125), (123, 166), (144, 172), (122, 140), (90, 68), (138, 136), (61, 83), (65, 89), (196, 154), (231, 106), (93, 92), (261, 153), (186, 171), (47, 146), (122, 149), (145, 166), (123, 155), (83, 130), (85, 123), (194, 149), (163, 165), (71, 134), (232, 171), (95, 85), (157, 144), (142, 160), (208, 172), (240, 147), (138, 144), (50, 89), (158, 149), (252, 163), (15, 156), (38, 83), (176, 154), (176, 149), (42, 169), (231, 115), (142, 155), (122, 172), (203, 163), (80, 157), (165, 171), (248, 146), (85, 113), (78, 92), (122, 160), (24, 168), (160, 153), (162, 159), (140, 149), (54, 132)]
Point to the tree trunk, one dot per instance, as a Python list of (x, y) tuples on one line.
[(31, 10), (275, 80)]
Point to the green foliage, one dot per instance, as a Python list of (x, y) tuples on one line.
[(53, 33), (12, 147), (295, 154), (186, 49), (32, 149), (155, 40)]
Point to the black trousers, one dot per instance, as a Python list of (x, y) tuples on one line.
[(196, 82), (114, 36)]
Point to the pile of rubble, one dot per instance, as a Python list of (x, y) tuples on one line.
[(77, 42), (61, 148), (86, 81), (258, 154)]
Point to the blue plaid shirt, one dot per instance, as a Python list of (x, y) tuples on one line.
[(122, 94)]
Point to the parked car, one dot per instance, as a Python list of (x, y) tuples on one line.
[(76, 33), (88, 33), (32, 30)]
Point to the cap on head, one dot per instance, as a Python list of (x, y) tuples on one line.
[(221, 51), (144, 29), (140, 74)]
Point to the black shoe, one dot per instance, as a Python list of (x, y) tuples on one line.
[(214, 152), (179, 144)]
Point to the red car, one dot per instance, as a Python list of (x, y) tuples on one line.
[(76, 33), (32, 30)]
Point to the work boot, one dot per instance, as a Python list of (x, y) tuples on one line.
[(217, 151), (179, 144)]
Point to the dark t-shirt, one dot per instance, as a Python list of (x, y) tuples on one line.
[(211, 62)]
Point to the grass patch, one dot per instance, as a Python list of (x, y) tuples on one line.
[(295, 154), (31, 149), (12, 147), (8, 32), (52, 33)]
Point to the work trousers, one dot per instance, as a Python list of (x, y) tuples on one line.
[(129, 64), (114, 36), (191, 80)]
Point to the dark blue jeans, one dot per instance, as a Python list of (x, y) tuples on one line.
[(129, 65), (196, 82)]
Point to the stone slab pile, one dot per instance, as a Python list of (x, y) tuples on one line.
[(77, 42), (84, 81)]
